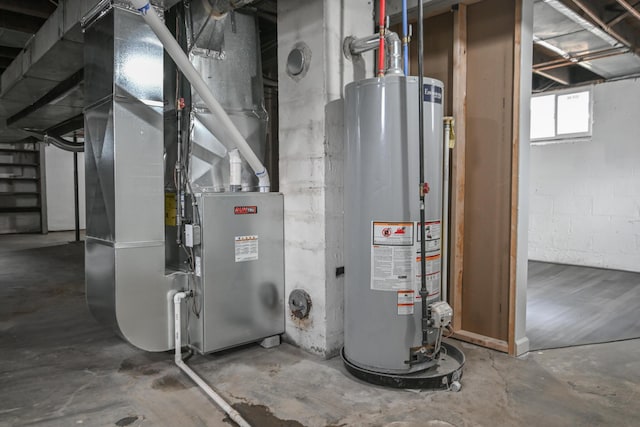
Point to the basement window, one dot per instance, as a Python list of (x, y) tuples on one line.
[(562, 115)]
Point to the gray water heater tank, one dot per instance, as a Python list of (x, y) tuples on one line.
[(382, 248)]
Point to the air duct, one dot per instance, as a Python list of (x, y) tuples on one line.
[(220, 124), (126, 284)]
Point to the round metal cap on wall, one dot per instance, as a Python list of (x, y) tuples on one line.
[(299, 303), (298, 61)]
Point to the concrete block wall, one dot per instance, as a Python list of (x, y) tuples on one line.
[(311, 161), (585, 195)]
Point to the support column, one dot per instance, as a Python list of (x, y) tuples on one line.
[(310, 85)]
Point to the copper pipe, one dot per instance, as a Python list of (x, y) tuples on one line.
[(632, 10), (620, 17), (597, 55), (582, 56), (552, 62), (603, 24)]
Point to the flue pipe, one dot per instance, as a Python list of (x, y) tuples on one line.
[(393, 47), (224, 123), (232, 413), (394, 53)]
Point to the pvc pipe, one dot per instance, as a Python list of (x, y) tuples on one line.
[(381, 62), (448, 123), (235, 170), (232, 413), (223, 122), (405, 38)]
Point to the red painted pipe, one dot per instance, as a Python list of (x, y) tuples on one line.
[(381, 65)]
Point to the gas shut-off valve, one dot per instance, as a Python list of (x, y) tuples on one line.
[(441, 314)]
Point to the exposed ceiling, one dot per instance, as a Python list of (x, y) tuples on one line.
[(41, 84), (581, 41)]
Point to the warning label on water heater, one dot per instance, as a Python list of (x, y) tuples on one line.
[(392, 256), (246, 248), (432, 269), (406, 302)]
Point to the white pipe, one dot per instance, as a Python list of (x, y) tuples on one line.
[(232, 413), (448, 122), (224, 122), (235, 170)]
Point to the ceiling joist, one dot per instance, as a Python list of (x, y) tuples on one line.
[(35, 8), (19, 22)]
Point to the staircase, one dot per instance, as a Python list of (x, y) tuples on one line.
[(21, 188)]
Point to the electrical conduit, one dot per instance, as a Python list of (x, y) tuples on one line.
[(224, 122), (232, 413)]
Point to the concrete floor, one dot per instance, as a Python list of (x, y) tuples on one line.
[(58, 367)]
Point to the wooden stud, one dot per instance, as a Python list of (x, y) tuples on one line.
[(458, 162), (515, 156)]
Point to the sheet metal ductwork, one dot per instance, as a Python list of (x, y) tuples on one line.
[(134, 261), (224, 51), (127, 286)]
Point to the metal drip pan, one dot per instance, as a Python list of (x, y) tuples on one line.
[(440, 377)]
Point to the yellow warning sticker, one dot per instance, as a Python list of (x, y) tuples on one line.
[(170, 209)]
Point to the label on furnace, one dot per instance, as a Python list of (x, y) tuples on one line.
[(246, 248)]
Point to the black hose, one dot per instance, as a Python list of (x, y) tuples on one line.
[(64, 144), (423, 278)]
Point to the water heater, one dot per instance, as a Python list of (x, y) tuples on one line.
[(382, 219)]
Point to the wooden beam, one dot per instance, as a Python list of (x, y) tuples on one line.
[(482, 340), (19, 22), (621, 17), (515, 178), (9, 52), (36, 8), (564, 77), (458, 162), (632, 10), (596, 19)]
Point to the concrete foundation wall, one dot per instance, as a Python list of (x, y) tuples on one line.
[(311, 159), (585, 195)]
